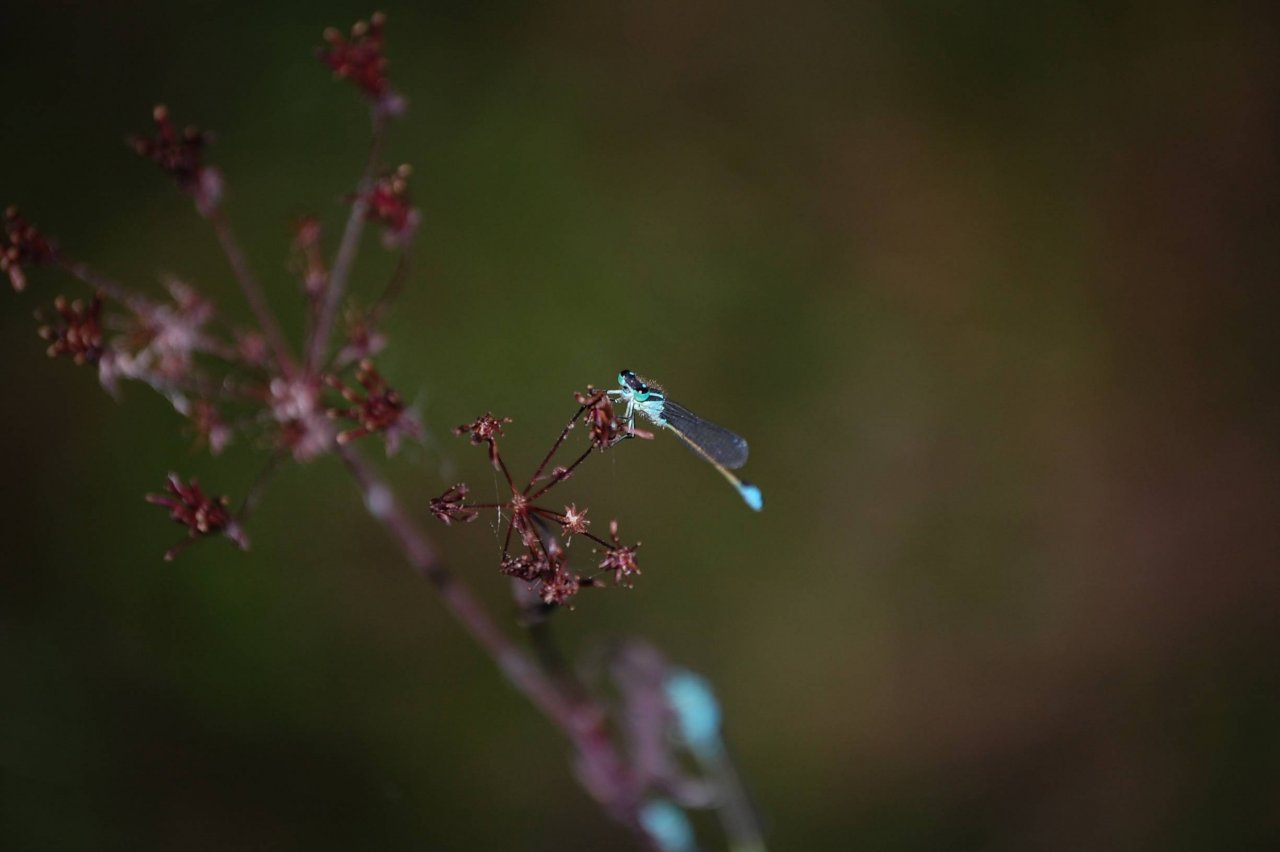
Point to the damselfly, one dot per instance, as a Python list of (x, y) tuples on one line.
[(724, 450)]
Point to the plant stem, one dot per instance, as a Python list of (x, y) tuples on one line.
[(737, 816), (580, 718), (347, 250), (85, 273), (252, 292)]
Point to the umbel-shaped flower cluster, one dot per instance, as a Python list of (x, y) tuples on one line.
[(544, 532)]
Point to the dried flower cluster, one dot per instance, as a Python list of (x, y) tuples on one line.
[(227, 380), (380, 410), (544, 532)]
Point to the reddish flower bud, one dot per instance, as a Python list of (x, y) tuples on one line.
[(181, 156), (360, 59), (388, 205), (23, 246)]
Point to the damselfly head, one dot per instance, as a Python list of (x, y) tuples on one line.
[(631, 382)]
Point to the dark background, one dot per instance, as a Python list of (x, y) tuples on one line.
[(990, 287)]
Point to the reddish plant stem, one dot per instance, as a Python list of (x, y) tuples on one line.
[(564, 433), (556, 480), (560, 519), (506, 542), (502, 466), (347, 250), (113, 289), (396, 283), (252, 292), (581, 720)]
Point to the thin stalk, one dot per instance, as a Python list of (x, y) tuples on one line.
[(581, 720), (252, 292), (567, 471), (564, 433), (86, 275), (737, 816), (347, 250)]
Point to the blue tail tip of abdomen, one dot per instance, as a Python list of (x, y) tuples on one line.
[(752, 495)]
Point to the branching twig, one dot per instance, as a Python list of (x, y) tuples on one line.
[(581, 720)]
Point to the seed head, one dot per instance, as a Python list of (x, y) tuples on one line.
[(560, 587), (575, 520), (485, 429), (451, 506), (620, 559)]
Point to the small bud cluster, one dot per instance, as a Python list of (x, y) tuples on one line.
[(360, 59), (387, 204), (77, 331), (23, 246), (181, 156), (380, 410), (202, 515)]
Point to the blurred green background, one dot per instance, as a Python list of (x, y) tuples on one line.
[(990, 287)]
